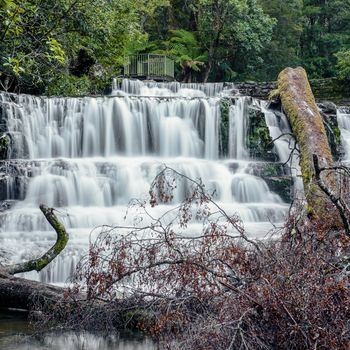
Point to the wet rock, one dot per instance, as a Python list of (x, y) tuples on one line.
[(281, 185), (6, 205), (14, 178), (328, 111), (277, 176), (268, 169), (233, 166), (260, 143), (328, 107), (4, 146), (256, 89)]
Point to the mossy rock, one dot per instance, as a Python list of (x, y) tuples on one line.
[(282, 185), (259, 140), (277, 176), (329, 115), (4, 146), (225, 105), (268, 169)]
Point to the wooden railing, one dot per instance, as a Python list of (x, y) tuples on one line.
[(149, 66)]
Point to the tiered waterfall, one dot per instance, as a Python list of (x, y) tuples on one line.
[(88, 157)]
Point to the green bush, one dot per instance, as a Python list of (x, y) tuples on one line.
[(69, 85), (343, 65)]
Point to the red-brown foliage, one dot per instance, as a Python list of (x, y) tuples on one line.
[(217, 289)]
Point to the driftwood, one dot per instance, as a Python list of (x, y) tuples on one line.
[(300, 106)]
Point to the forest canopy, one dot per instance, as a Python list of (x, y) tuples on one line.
[(76, 46)]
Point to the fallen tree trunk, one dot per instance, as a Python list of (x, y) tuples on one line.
[(20, 293), (300, 106)]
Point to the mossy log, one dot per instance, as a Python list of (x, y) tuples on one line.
[(300, 106), (39, 263), (18, 292)]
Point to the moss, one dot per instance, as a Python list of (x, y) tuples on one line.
[(225, 105), (274, 94), (259, 139), (61, 241), (270, 169), (300, 106), (337, 134), (4, 146), (41, 263), (280, 185)]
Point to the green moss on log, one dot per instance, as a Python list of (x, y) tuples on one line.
[(41, 262), (300, 106)]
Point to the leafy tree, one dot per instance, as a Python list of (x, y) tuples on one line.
[(185, 48), (228, 28), (326, 31), (343, 65), (284, 48), (222, 33), (40, 40)]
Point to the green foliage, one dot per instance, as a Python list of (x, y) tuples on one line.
[(326, 31), (230, 30), (184, 47), (43, 40), (69, 85), (225, 104), (283, 50), (343, 65), (4, 146)]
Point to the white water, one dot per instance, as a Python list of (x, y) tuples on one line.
[(343, 117), (88, 157), (238, 129), (152, 88), (284, 144)]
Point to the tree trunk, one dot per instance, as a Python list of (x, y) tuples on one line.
[(307, 125), (39, 263), (20, 293)]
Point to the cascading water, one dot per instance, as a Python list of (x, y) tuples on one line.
[(88, 157), (284, 144), (343, 117), (238, 129), (137, 87)]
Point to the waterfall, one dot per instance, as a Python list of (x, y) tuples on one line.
[(343, 117), (88, 157), (238, 129), (284, 144), (149, 88)]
